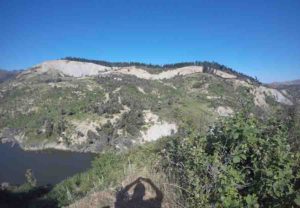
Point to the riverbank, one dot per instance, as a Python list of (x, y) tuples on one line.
[(17, 136), (18, 139)]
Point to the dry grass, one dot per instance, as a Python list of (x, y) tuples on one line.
[(107, 198)]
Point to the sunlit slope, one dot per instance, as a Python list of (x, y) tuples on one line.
[(82, 106)]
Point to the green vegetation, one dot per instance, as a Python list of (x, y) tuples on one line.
[(42, 111), (241, 162), (291, 115), (293, 119)]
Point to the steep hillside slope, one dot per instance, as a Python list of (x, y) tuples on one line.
[(83, 106)]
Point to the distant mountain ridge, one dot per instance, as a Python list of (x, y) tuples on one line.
[(292, 82), (6, 75)]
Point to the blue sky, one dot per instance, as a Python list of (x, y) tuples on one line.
[(259, 38)]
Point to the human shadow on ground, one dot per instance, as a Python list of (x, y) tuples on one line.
[(136, 200)]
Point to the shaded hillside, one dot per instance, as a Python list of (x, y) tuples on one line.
[(7, 75)]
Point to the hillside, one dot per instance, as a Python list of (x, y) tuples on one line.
[(157, 129), (291, 87), (83, 106)]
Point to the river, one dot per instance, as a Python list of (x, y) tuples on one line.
[(49, 166)]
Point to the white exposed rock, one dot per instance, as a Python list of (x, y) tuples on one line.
[(90, 87), (180, 71), (224, 111), (213, 97), (70, 68), (261, 92), (74, 68), (82, 69), (156, 129), (159, 130), (141, 90), (238, 83), (143, 74), (224, 74), (117, 90), (169, 85), (284, 92), (82, 127), (106, 97)]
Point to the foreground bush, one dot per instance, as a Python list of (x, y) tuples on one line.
[(241, 162)]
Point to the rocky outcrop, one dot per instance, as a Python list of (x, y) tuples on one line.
[(260, 94), (224, 111)]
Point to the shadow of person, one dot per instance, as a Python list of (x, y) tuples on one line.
[(124, 200)]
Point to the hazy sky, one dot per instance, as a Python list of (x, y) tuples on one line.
[(259, 38)]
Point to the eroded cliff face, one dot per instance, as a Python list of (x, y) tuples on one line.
[(80, 106)]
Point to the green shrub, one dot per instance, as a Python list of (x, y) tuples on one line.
[(131, 121), (197, 85), (241, 162)]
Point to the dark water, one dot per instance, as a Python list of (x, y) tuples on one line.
[(49, 166)]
